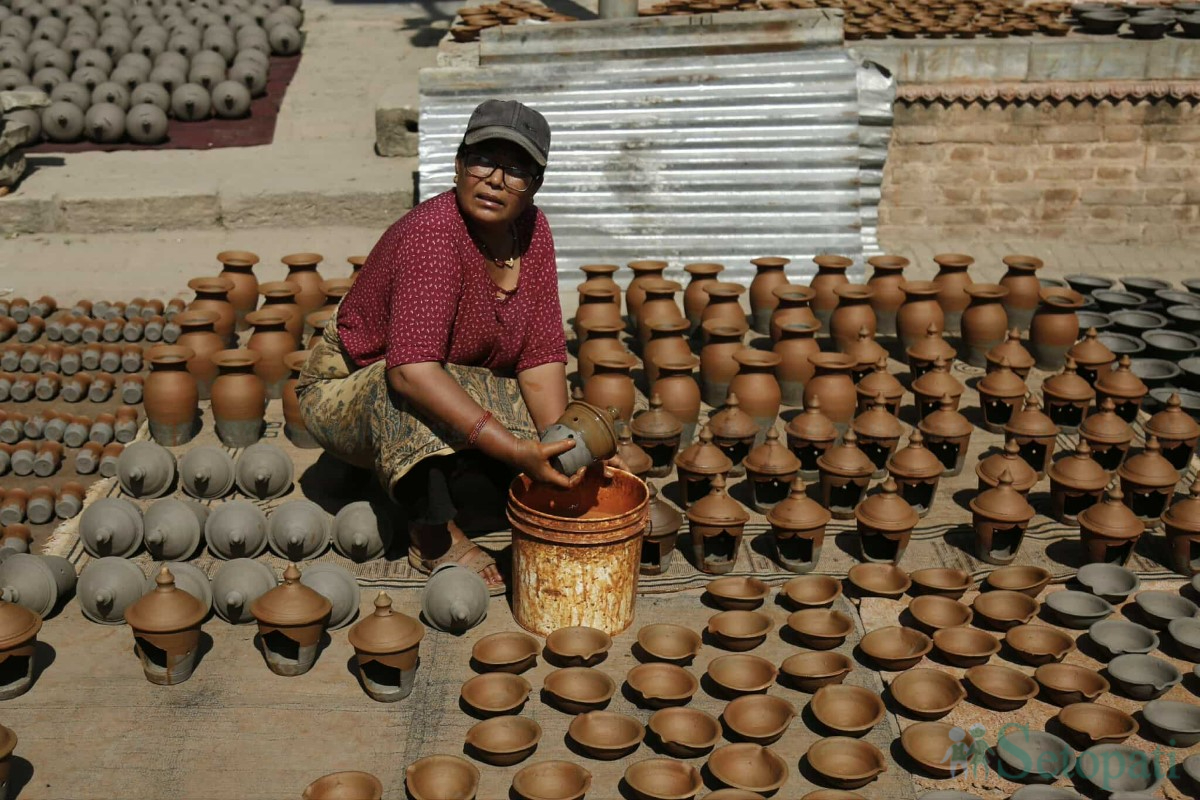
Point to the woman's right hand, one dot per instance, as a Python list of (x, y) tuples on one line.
[(533, 458)]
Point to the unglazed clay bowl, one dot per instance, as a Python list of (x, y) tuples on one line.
[(662, 685), (741, 673), (1039, 644), (578, 646), (812, 591), (1185, 632), (1138, 771), (1119, 636), (999, 687), (1064, 684), (1159, 608), (1191, 764), (820, 628), (663, 779), (1142, 677), (1004, 609), (495, 693), (942, 581), (577, 690), (1112, 582), (808, 672), (1089, 724), (846, 763), (605, 735), (737, 593), (848, 710), (666, 642), (879, 580), (895, 648), (934, 612), (345, 784), (739, 630), (748, 766), (1019, 578), (552, 780), (509, 651), (759, 718), (685, 732), (1078, 610), (504, 741), (1029, 756), (435, 777), (927, 693), (927, 743), (966, 647), (1174, 723), (1036, 792)]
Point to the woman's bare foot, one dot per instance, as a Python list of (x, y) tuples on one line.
[(435, 540)]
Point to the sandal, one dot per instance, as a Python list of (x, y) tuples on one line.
[(465, 553)]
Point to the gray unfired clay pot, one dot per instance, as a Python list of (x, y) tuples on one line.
[(1112, 582), (1159, 608), (146, 469), (188, 577), (36, 582), (111, 526), (358, 532), (237, 584), (1119, 637), (1027, 756), (236, 529), (455, 599), (298, 530), (1078, 609), (338, 586), (107, 586), (264, 472), (206, 472), (1117, 767), (1185, 632), (1174, 723), (174, 528), (1142, 677)]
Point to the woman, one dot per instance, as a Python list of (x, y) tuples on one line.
[(447, 357)]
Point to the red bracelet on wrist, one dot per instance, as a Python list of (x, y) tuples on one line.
[(478, 429)]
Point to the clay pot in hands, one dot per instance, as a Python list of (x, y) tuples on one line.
[(810, 434), (302, 271), (795, 346), (1148, 481), (852, 314), (952, 281), (724, 305), (1011, 350), (19, 628), (657, 306), (680, 394), (281, 296), (662, 531), (657, 432), (793, 309), (1055, 327), (833, 387), (756, 386), (1035, 435), (635, 295), (667, 342), (1068, 397), (386, 646), (878, 433), (1176, 432), (272, 341), (239, 398), (798, 525), (611, 385), (947, 435), (831, 273), (771, 468), (716, 522), (929, 388), (293, 420), (237, 266), (1077, 483), (1001, 394), (919, 312), (212, 294), (1107, 434), (598, 305), (1000, 517), (885, 524), (763, 300), (1109, 531), (171, 395), (1023, 287), (984, 322), (198, 333), (698, 466), (291, 618), (887, 283), (734, 432), (845, 473), (694, 297), (916, 472), (1092, 357), (1182, 523), (166, 631)]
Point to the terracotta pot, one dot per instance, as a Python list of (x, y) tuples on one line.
[(878, 433), (833, 387), (634, 294), (716, 522), (667, 342), (657, 432), (1148, 482), (866, 353), (952, 281), (756, 386), (793, 309), (293, 420), (879, 381), (717, 364), (1068, 397), (1076, 483), (1055, 327), (852, 314), (796, 344), (1000, 517), (1108, 435), (238, 267), (386, 646), (611, 385), (212, 294), (923, 354), (1091, 357), (680, 394), (198, 333), (171, 395), (948, 434), (599, 339), (931, 387), (885, 524), (333, 290), (771, 468), (281, 296), (1011, 350), (763, 300), (272, 341), (984, 323), (657, 306), (809, 435), (1182, 523), (337, 785), (734, 432), (1125, 389), (919, 312), (698, 466), (798, 525), (600, 275), (1035, 435), (316, 322), (845, 473), (662, 531), (356, 264), (695, 299), (831, 272), (239, 398), (887, 282), (1001, 394), (1176, 431), (291, 618), (724, 305), (1109, 531), (598, 306), (1024, 290), (302, 271), (166, 631), (917, 473)]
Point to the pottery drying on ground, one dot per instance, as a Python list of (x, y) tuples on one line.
[(552, 780), (1039, 644), (1089, 724), (1125, 389), (1029, 756), (1035, 434), (1023, 288), (1068, 397), (918, 313), (694, 296), (358, 532), (662, 529), (1077, 483), (1012, 351), (999, 687), (107, 586), (880, 580), (657, 685), (1001, 394), (503, 741), (386, 646), (455, 599), (1142, 677), (1173, 723), (812, 591), (1107, 435), (1077, 609), (337, 585), (1064, 684), (1054, 327), (37, 583), (966, 647), (808, 672), (507, 651), (434, 777), (212, 294), (206, 472), (577, 690), (833, 387), (174, 528), (658, 433), (734, 432), (1148, 482), (741, 673), (895, 648), (717, 365), (237, 584), (925, 353), (932, 613), (793, 309), (1118, 637), (684, 732), (1109, 531), (845, 474), (763, 301), (1141, 771), (771, 468), (19, 628), (1091, 357), (947, 435), (851, 316), (291, 619), (999, 517), (663, 641), (927, 693), (111, 526), (878, 433), (809, 435), (298, 530), (166, 631), (739, 630), (698, 466), (1182, 524), (748, 766), (885, 524), (887, 284), (236, 529), (1159, 608), (846, 763), (942, 581), (798, 526), (820, 628), (495, 693), (340, 785), (239, 398), (880, 381), (578, 646), (848, 710), (737, 593), (759, 718), (663, 779), (1176, 432), (795, 346), (716, 523), (1004, 609), (146, 470), (170, 395), (1026, 579), (1112, 582), (866, 352)]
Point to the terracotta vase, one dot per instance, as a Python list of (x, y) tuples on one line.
[(1055, 327), (272, 341), (281, 296), (238, 267), (611, 385), (717, 365), (887, 282), (1024, 290), (658, 305), (1067, 397), (852, 314), (634, 294), (212, 294), (598, 305), (795, 347), (756, 386), (833, 387), (1091, 357), (599, 339), (831, 272), (724, 305), (302, 271), (170, 395), (333, 290), (239, 398), (1176, 431), (952, 281), (1014, 353), (694, 297), (919, 312), (793, 309), (316, 322), (356, 264), (680, 394), (763, 301), (293, 420), (984, 323), (667, 342), (198, 334), (600, 275)]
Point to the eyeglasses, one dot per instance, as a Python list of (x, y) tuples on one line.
[(516, 179)]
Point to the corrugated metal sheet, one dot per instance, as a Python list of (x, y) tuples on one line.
[(705, 158)]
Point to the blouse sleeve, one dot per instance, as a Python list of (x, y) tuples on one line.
[(546, 341), (425, 290)]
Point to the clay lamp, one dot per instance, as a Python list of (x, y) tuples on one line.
[(495, 693), (503, 741), (1001, 610), (947, 435), (636, 459), (925, 353), (1086, 725), (941, 581), (18, 647), (662, 531), (895, 649), (917, 473), (1077, 482), (1000, 688), (386, 645), (771, 468), (927, 743), (658, 432), (1091, 357), (291, 618), (878, 433), (578, 646), (740, 673), (927, 693), (1001, 392), (166, 631), (820, 628), (1176, 431), (934, 386), (809, 435), (885, 524), (716, 522), (1039, 644), (1064, 684), (811, 591), (1068, 397), (1148, 480), (749, 767), (760, 718), (866, 353), (880, 381), (739, 631), (879, 580), (684, 732), (698, 466), (808, 672), (507, 651), (845, 473), (663, 779), (663, 641), (737, 593), (847, 710), (552, 780), (1125, 389), (932, 613), (733, 432), (965, 647), (661, 685), (337, 785), (1023, 578), (798, 525), (578, 690), (999, 517), (1035, 435), (1182, 523), (1019, 359), (1109, 531), (1107, 434)]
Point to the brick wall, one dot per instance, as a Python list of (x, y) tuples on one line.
[(1096, 171)]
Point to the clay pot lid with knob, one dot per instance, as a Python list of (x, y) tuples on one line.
[(1112, 518), (717, 507), (18, 625), (931, 347), (945, 422), (938, 381), (291, 604), (1149, 467), (846, 459), (167, 609), (915, 461), (1067, 385), (386, 631), (656, 423), (664, 520), (731, 422), (1019, 358), (1090, 350), (1002, 503), (864, 350), (880, 381), (798, 511), (344, 786), (1030, 421), (1184, 514), (704, 457), (877, 422), (635, 458), (887, 510), (812, 425), (1121, 382), (1172, 423), (771, 457), (1079, 471), (1002, 382), (1105, 426)]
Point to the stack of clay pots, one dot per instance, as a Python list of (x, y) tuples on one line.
[(473, 19)]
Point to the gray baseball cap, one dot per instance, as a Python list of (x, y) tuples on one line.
[(514, 122)]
